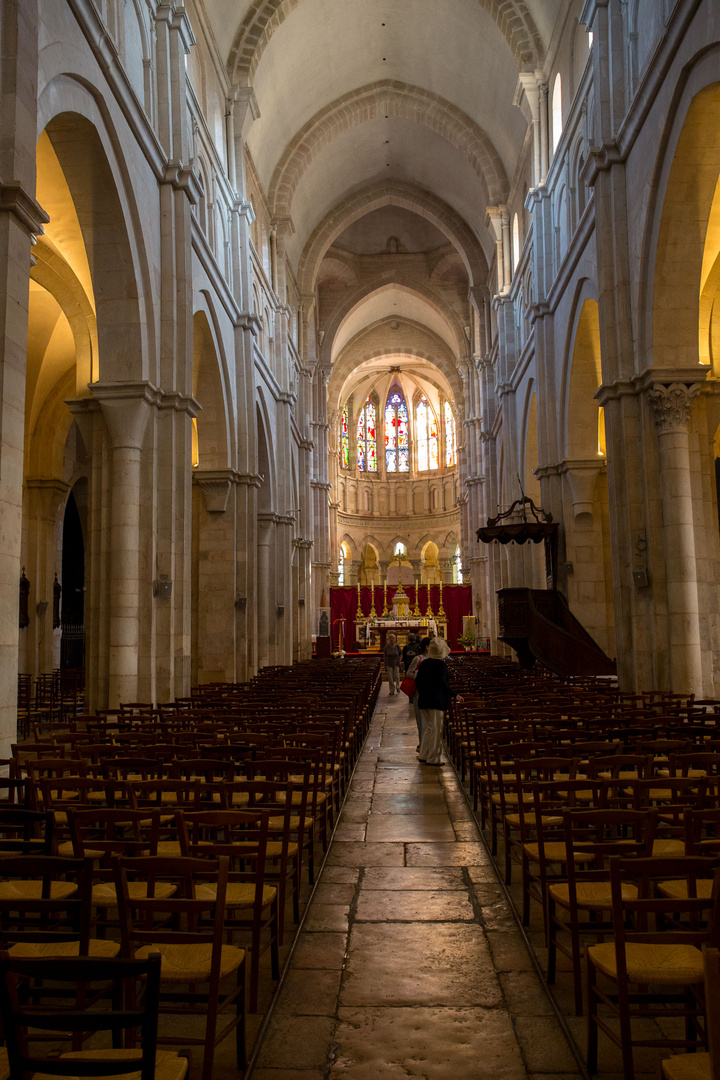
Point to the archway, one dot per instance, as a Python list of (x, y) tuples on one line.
[(213, 628), (265, 590), (588, 572)]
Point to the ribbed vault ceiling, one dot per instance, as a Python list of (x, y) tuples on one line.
[(366, 96)]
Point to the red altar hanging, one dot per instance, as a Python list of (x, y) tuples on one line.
[(457, 601)]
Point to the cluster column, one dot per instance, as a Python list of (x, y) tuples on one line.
[(126, 409), (671, 407)]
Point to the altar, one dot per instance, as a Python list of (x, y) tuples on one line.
[(374, 632)]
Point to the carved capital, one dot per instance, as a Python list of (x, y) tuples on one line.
[(672, 405)]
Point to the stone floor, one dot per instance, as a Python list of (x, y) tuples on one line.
[(409, 963)]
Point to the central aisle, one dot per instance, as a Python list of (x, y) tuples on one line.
[(409, 963)]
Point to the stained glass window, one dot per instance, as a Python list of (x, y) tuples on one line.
[(427, 436), (397, 434), (344, 440), (450, 440), (367, 439)]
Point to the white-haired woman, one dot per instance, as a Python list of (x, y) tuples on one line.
[(432, 685)]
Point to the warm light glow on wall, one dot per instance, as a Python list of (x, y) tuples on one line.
[(195, 449), (601, 433)]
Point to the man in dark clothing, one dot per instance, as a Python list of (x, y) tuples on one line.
[(432, 685), (409, 652)]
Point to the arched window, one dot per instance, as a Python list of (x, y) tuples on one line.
[(367, 439), (341, 565), (515, 243), (450, 439), (397, 441), (457, 566), (426, 436), (400, 550), (344, 440), (557, 121)]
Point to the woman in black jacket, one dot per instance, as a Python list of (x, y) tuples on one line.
[(432, 686)]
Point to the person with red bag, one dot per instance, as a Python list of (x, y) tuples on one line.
[(434, 692)]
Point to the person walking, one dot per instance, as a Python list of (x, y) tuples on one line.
[(392, 663), (410, 674), (432, 684), (410, 651)]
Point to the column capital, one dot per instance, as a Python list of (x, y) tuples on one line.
[(176, 17), (126, 408), (672, 405), (15, 200)]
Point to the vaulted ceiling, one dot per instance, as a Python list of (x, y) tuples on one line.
[(405, 105)]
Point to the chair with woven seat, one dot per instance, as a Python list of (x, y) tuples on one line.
[(101, 833), (241, 836), (46, 908), (705, 1065), (542, 848), (166, 796), (672, 796), (186, 929), (304, 781), (25, 832), (283, 852), (515, 799), (582, 904), (657, 951), (22, 1016)]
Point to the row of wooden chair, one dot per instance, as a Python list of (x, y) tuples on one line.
[(610, 805)]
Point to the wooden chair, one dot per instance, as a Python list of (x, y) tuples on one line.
[(702, 1066), (516, 800), (100, 834), (241, 836), (544, 853), (25, 832), (302, 821), (22, 1015), (582, 904), (283, 853), (656, 951), (46, 908), (187, 930)]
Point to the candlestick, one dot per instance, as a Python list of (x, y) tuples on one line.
[(441, 609), (416, 609), (385, 607), (429, 602), (358, 613), (373, 612)]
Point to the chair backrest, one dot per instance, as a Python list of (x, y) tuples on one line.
[(26, 832), (21, 1012), (238, 835), (178, 919), (46, 915), (652, 918), (113, 831)]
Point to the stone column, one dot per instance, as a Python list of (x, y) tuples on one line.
[(494, 221), (214, 586), (266, 615), (43, 521), (126, 409), (671, 406), (21, 219)]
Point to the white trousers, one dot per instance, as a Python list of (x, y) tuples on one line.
[(431, 745), (393, 674)]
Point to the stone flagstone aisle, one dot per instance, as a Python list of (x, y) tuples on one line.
[(409, 964)]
